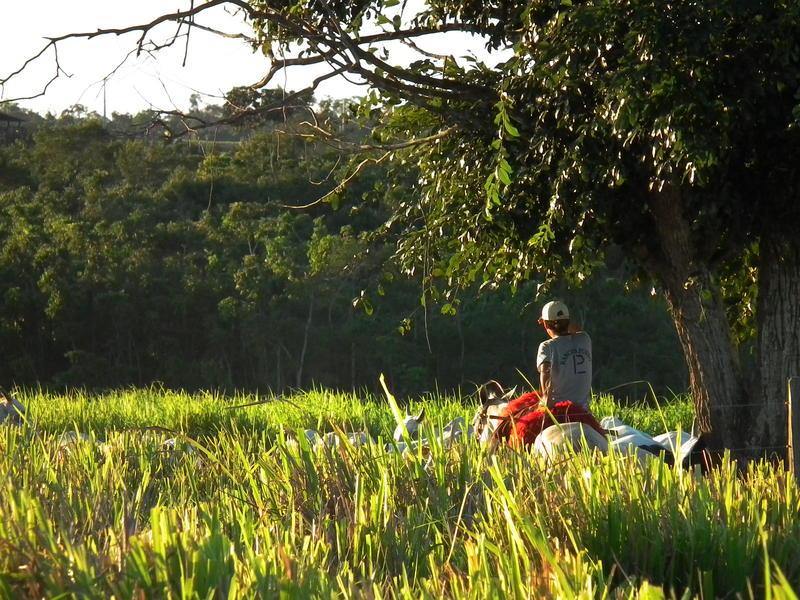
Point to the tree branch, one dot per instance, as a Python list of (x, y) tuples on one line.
[(232, 36), (341, 185), (388, 150), (418, 84), (144, 28), (296, 27)]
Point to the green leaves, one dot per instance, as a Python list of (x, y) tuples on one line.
[(500, 179), (503, 172), (449, 308), (502, 118), (363, 302)]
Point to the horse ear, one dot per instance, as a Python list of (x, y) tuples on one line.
[(421, 415), (509, 395), (489, 391)]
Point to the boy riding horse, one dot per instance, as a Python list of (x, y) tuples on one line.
[(564, 363)]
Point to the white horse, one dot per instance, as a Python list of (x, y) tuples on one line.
[(556, 440), (560, 440), (493, 399)]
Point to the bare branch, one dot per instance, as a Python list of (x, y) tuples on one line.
[(144, 28), (411, 44), (420, 84), (59, 71), (411, 86), (240, 115), (388, 149), (342, 184), (343, 146), (330, 173), (232, 36), (189, 22), (327, 42), (279, 65)]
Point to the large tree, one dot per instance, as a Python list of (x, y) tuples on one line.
[(665, 130)]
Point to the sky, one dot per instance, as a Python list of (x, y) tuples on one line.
[(213, 64)]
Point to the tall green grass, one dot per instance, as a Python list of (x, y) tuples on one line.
[(234, 511), (207, 413)]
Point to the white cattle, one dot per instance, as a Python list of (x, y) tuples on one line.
[(330, 440), (678, 445), (12, 410), (454, 430), (681, 444), (625, 435), (451, 433), (333, 440), (411, 424), (72, 437), (312, 437), (173, 446), (69, 440)]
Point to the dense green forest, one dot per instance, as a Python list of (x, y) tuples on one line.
[(129, 258)]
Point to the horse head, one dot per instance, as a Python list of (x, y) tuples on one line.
[(493, 399)]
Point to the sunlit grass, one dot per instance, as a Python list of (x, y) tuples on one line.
[(233, 511)]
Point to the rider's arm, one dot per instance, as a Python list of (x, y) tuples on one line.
[(545, 383), (574, 328)]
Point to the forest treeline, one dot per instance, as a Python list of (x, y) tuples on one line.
[(126, 259)]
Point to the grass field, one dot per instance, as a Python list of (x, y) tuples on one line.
[(234, 511)]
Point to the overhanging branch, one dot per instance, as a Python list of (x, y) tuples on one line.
[(387, 149), (326, 47)]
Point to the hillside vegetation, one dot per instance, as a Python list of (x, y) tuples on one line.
[(127, 261)]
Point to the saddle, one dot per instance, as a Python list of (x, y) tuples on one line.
[(524, 418)]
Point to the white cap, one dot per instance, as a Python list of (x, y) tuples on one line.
[(555, 311)]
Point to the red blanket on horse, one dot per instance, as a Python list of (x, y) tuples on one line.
[(528, 419)]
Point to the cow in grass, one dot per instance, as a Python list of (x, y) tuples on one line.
[(411, 425), (12, 411), (329, 440), (451, 433)]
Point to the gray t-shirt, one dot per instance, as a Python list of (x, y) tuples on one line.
[(570, 358)]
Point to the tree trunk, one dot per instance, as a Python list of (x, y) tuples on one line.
[(715, 378), (306, 331), (278, 383), (461, 347), (700, 320), (353, 366), (778, 336)]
